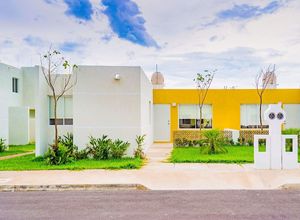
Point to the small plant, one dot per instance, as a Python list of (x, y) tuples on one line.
[(2, 145), (139, 153), (67, 141), (58, 156), (99, 148), (178, 142), (250, 142), (241, 141), (118, 148), (214, 142)]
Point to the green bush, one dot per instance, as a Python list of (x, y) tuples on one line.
[(291, 131), (99, 148), (58, 156), (105, 148), (178, 142), (2, 145), (139, 153), (67, 141), (214, 142), (118, 148)]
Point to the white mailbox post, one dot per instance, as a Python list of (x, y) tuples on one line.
[(275, 156)]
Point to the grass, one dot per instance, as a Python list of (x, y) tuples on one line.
[(236, 154), (30, 162), (18, 149)]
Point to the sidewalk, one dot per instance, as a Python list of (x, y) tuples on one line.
[(157, 175)]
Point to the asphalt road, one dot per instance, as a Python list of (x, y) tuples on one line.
[(134, 205)]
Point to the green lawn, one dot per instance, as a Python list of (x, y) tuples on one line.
[(236, 154), (29, 162), (15, 149)]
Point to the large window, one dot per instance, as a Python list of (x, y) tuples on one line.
[(15, 85), (250, 116), (64, 111), (189, 116), (292, 115)]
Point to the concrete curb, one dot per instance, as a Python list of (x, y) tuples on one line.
[(71, 187), (291, 186)]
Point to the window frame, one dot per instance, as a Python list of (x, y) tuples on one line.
[(68, 121), (15, 85), (195, 119)]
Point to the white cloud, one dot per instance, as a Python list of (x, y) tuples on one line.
[(238, 51)]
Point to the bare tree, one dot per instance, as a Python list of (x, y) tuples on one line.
[(264, 79), (203, 82), (54, 66)]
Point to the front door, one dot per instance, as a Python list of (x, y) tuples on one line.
[(161, 122)]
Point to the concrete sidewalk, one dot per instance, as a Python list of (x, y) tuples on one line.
[(157, 175)]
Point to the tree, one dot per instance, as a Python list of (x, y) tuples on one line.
[(203, 82), (55, 66), (264, 79)]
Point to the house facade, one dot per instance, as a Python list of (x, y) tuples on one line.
[(238, 109), (122, 102)]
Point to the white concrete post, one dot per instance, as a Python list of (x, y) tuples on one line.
[(275, 117)]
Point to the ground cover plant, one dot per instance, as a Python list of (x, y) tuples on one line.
[(30, 162)]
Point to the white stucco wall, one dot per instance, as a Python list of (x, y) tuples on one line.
[(103, 105), (18, 125), (42, 112), (7, 97), (146, 109)]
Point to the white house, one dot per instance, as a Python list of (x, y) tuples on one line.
[(115, 101)]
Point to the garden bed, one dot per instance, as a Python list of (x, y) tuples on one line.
[(30, 162)]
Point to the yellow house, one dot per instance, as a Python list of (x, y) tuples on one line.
[(177, 109)]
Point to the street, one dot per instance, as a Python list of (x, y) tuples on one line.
[(144, 205)]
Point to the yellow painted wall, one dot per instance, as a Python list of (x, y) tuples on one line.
[(225, 102)]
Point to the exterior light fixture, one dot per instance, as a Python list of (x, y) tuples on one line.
[(173, 104), (117, 76)]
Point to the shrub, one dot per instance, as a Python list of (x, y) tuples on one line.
[(250, 142), (291, 131), (178, 142), (118, 148), (67, 141), (139, 153), (2, 145), (99, 148), (214, 142), (58, 156)]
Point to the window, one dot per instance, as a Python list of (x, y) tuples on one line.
[(189, 116), (250, 116), (64, 111), (15, 86), (292, 115)]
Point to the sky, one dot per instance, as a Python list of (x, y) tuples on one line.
[(238, 38)]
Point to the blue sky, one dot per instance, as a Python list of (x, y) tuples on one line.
[(182, 37)]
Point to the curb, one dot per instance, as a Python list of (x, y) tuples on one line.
[(291, 186), (71, 187)]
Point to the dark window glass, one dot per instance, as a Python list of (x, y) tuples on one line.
[(15, 86), (68, 121), (187, 123), (59, 121)]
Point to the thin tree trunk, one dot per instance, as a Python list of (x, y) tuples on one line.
[(200, 126), (55, 124), (260, 113)]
